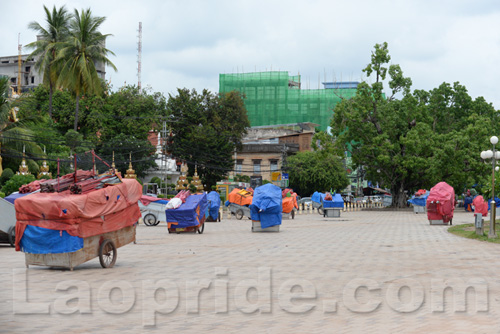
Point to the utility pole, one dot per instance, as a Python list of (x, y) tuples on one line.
[(164, 156), (19, 64)]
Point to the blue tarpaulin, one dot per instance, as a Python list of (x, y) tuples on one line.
[(266, 205), (318, 197), (497, 202), (12, 197), (420, 200), (39, 240), (213, 198), (189, 213), (336, 202)]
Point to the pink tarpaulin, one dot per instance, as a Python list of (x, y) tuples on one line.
[(84, 215), (480, 205), (441, 202)]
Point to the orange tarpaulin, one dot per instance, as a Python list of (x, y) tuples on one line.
[(84, 215), (240, 196), (289, 203)]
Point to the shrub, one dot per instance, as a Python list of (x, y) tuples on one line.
[(16, 182), (2, 195), (6, 175), (161, 196)]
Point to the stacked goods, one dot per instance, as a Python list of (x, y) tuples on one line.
[(336, 202), (63, 183), (57, 222), (289, 200), (266, 208), (441, 203), (240, 197), (213, 198), (189, 214)]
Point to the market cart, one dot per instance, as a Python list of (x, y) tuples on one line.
[(419, 201), (334, 207), (266, 209), (152, 210), (65, 229), (317, 201), (289, 204), (441, 204), (190, 216), (8, 219), (213, 207), (239, 211)]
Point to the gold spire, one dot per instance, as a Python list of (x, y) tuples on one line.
[(182, 178), (196, 180), (23, 167), (113, 167), (44, 170), (130, 174)]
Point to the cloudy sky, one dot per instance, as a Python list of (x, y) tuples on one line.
[(189, 43)]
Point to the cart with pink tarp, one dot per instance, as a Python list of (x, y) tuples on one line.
[(441, 204)]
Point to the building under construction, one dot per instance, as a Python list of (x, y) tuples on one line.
[(275, 97)]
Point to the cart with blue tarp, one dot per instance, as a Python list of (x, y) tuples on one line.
[(332, 208), (317, 201), (66, 230), (213, 207), (190, 216), (8, 218), (266, 209), (419, 202), (152, 210)]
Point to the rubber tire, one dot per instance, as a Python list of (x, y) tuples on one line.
[(239, 214), (293, 214), (12, 236), (321, 211), (147, 221), (200, 231), (218, 218), (104, 250), (451, 221)]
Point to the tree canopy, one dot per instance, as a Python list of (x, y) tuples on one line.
[(205, 130), (418, 139)]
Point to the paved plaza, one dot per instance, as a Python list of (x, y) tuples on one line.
[(365, 272)]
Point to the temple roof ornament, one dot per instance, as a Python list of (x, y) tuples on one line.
[(44, 169), (130, 174), (23, 167)]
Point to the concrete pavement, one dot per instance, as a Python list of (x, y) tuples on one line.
[(365, 272)]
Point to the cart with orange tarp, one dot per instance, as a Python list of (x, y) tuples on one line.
[(289, 203), (65, 229), (190, 216), (239, 201)]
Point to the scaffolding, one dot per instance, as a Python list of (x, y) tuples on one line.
[(275, 97)]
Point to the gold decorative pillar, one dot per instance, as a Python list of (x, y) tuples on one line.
[(196, 180), (44, 170), (130, 174)]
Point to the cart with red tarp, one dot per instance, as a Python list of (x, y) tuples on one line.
[(65, 229), (190, 216), (441, 204)]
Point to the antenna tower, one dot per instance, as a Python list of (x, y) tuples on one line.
[(139, 57), (19, 63)]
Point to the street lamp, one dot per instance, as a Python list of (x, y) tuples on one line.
[(493, 155)]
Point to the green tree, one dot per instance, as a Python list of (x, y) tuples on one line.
[(123, 145), (80, 53), (15, 137), (316, 171), (206, 129), (46, 45), (417, 140), (16, 182)]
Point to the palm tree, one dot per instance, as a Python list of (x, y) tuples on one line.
[(79, 54), (45, 48)]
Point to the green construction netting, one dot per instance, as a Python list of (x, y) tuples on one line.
[(275, 97)]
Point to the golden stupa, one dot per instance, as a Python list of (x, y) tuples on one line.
[(196, 180), (130, 174), (23, 167)]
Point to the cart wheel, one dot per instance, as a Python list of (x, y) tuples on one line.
[(12, 236), (239, 214), (150, 220), (218, 218), (157, 222), (321, 211), (107, 254), (293, 214), (201, 229), (451, 221)]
